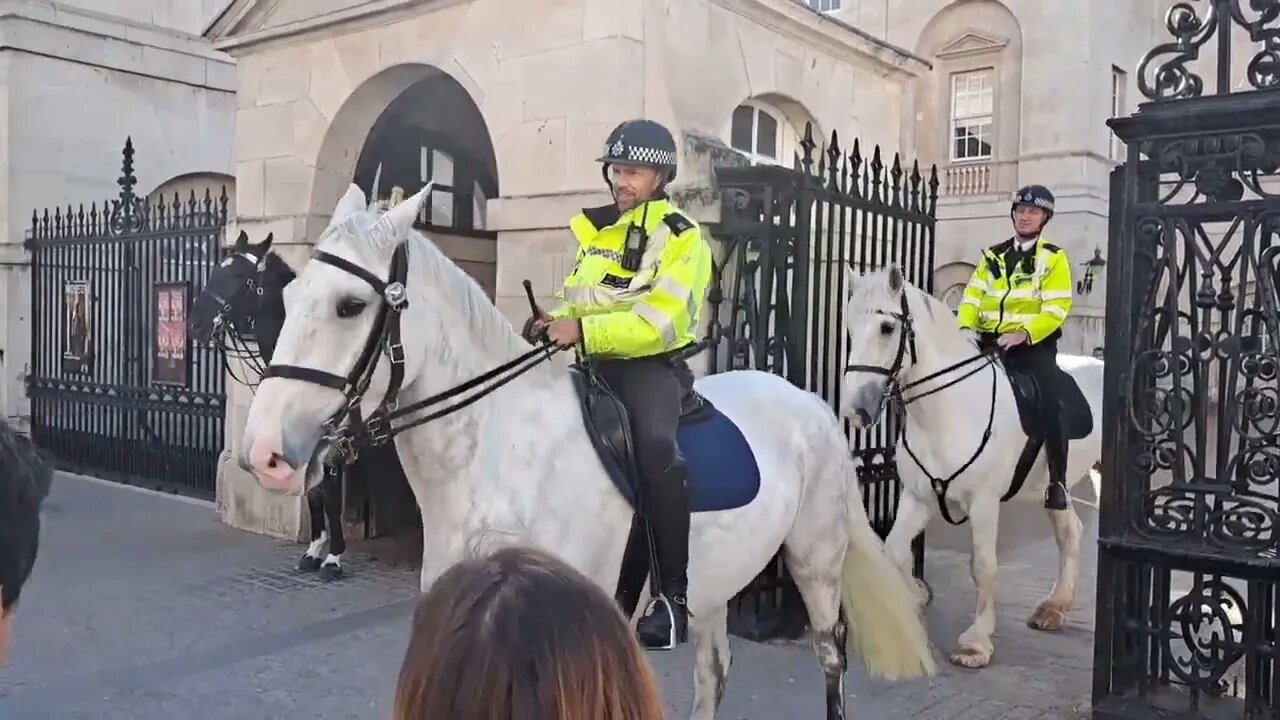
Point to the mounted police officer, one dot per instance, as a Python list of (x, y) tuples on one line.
[(633, 301), (1017, 300)]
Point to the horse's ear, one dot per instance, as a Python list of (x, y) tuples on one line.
[(895, 279), (261, 248), (242, 242), (352, 202), (396, 223)]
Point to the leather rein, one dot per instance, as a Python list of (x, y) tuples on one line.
[(345, 432), (895, 389)]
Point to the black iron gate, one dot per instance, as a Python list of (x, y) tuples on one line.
[(116, 388), (1188, 573), (790, 234)]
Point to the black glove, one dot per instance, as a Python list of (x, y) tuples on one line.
[(531, 336)]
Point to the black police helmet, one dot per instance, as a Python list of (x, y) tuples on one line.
[(641, 142), (1035, 196)]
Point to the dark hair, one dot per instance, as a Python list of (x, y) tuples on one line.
[(25, 479), (521, 635)]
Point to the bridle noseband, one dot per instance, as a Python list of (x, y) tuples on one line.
[(895, 389), (383, 340)]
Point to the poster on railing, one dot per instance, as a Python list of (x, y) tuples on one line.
[(77, 338), (170, 353)]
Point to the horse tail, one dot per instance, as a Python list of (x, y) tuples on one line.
[(887, 629)]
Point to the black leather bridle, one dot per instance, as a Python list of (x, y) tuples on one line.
[(345, 432), (895, 389), (225, 329)]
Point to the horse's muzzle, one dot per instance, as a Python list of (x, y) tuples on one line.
[(864, 405)]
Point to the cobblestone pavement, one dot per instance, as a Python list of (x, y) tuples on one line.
[(146, 607)]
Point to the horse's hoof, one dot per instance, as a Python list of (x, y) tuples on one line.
[(330, 572), (1048, 617), (307, 564), (971, 657)]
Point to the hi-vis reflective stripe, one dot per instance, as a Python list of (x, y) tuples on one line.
[(1055, 311), (659, 321), (1056, 295), (679, 292), (971, 301), (1008, 317), (596, 295), (613, 255)]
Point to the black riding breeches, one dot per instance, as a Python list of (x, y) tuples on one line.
[(652, 390), (1041, 362)]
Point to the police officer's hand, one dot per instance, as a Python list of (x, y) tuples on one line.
[(534, 326), (566, 332), (1013, 339)]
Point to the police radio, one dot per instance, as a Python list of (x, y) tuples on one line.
[(637, 239)]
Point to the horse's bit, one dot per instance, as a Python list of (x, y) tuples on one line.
[(894, 389)]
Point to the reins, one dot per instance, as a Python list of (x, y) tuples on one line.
[(895, 390)]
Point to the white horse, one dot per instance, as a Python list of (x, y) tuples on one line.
[(949, 404), (518, 466)]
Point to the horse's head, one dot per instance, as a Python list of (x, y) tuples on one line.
[(341, 317), (229, 300), (881, 342)]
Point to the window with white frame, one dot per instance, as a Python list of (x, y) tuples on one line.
[(1119, 80), (823, 5), (972, 115), (762, 134)]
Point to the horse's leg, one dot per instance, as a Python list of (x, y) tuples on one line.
[(712, 660), (909, 521), (331, 493), (310, 560), (1051, 614), (975, 645), (816, 572)]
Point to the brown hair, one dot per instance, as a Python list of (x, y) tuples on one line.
[(521, 635)]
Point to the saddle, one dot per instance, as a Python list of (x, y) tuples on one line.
[(1073, 407), (1074, 415), (721, 467)]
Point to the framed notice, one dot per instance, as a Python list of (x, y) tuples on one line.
[(77, 327), (170, 359)]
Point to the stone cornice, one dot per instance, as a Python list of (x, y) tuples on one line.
[(84, 37), (785, 16), (835, 37)]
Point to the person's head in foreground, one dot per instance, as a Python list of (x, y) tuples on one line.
[(520, 635), (24, 483)]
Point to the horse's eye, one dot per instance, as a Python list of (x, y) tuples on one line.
[(350, 307), (886, 328)]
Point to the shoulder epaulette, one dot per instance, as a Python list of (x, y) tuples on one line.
[(678, 223), (1052, 248)]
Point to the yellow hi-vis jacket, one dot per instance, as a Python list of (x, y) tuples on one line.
[(1002, 299), (648, 312)]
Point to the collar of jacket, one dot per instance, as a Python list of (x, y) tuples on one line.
[(607, 215)]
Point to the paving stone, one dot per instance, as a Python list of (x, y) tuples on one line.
[(146, 608)]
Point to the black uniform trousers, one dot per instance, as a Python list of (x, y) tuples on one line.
[(653, 390), (1041, 362)]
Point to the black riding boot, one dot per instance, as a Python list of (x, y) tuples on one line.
[(1055, 495), (666, 622)]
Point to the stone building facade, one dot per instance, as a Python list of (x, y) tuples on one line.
[(507, 104), (79, 76)]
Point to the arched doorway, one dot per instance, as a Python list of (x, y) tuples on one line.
[(433, 131), (429, 131)]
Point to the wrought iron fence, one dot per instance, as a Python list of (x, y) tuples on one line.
[(1188, 567), (790, 234), (117, 389)]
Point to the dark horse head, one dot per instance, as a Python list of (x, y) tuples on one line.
[(243, 302)]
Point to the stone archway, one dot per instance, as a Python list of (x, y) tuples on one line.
[(420, 124)]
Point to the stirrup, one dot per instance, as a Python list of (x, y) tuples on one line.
[(674, 632)]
